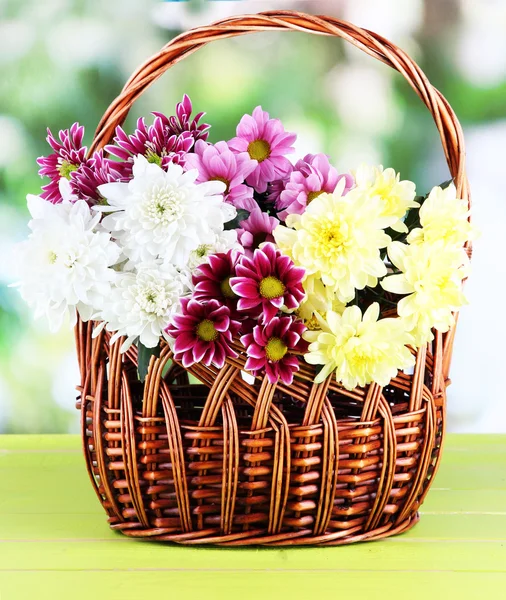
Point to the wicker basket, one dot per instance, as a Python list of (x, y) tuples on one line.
[(228, 462)]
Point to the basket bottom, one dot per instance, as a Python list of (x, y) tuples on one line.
[(259, 537), (192, 463)]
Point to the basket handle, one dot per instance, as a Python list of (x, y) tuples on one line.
[(449, 128)]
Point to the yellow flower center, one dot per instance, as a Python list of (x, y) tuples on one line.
[(313, 324), (153, 158), (223, 180), (275, 349), (312, 196), (391, 201), (65, 168), (360, 356), (271, 287), (52, 257), (226, 290), (442, 281), (206, 331), (259, 150), (330, 236)]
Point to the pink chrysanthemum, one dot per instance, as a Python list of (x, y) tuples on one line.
[(182, 120), (68, 154), (212, 279), (202, 333), (94, 172), (266, 282), (275, 188), (256, 230), (219, 163), (157, 143), (266, 141), (270, 349), (312, 176)]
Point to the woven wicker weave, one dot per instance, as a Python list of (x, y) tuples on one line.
[(233, 463)]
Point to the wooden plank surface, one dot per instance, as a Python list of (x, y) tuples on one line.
[(55, 543)]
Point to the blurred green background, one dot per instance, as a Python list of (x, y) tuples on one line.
[(65, 60)]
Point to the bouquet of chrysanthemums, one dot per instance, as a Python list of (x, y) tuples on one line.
[(230, 248)]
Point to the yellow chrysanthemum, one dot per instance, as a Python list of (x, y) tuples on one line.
[(319, 299), (359, 350), (396, 196), (431, 277), (337, 239), (443, 217)]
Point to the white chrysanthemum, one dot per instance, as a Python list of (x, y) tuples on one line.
[(65, 265), (338, 239), (396, 197), (164, 214), (359, 350), (223, 242), (142, 302), (431, 280), (443, 217)]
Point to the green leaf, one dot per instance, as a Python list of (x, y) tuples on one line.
[(143, 359), (242, 215)]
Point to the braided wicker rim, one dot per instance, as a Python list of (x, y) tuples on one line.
[(288, 477)]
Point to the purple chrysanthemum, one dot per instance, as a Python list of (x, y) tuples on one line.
[(266, 141), (68, 154), (202, 333), (212, 279), (92, 173), (156, 142), (182, 120), (270, 349), (219, 163), (167, 140), (312, 176), (266, 282), (256, 230)]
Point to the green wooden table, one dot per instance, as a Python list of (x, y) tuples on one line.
[(55, 542)]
